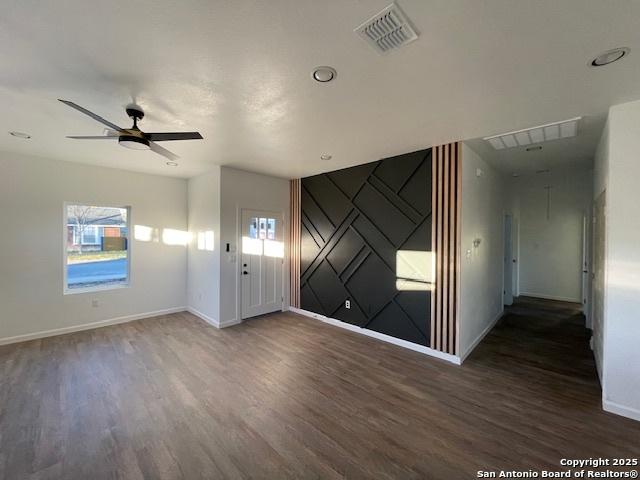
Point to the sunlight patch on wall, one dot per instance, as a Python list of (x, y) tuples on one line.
[(175, 237), (415, 270), (205, 241), (142, 233)]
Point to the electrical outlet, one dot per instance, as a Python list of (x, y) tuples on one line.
[(347, 304), (95, 304)]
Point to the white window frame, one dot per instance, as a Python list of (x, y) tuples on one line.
[(98, 288), (96, 234)]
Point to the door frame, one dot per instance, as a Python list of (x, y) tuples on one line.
[(586, 268), (507, 270), (239, 232)]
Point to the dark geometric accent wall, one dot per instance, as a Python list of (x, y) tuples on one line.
[(353, 223)]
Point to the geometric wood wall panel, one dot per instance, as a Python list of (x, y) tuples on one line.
[(352, 224), (447, 202)]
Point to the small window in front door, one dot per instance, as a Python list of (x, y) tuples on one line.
[(261, 238), (262, 228)]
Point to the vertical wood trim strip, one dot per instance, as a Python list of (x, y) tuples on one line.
[(445, 247), (443, 312), (458, 246), (434, 230), (453, 250), (446, 202), (438, 312), (294, 243)]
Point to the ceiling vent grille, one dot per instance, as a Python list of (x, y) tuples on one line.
[(539, 134), (388, 30)]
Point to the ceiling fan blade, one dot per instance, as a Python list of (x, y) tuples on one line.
[(96, 137), (98, 118), (160, 137), (163, 151)]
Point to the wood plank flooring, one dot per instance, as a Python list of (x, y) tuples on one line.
[(283, 396)]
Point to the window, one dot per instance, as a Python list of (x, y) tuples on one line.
[(90, 235), (96, 250), (261, 239), (262, 228)]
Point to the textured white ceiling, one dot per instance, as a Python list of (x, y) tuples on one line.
[(239, 72)]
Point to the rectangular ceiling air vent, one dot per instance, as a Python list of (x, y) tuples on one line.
[(388, 30), (539, 134)]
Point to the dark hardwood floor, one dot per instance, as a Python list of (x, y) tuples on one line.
[(283, 396)]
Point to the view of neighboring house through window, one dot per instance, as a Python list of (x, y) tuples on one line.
[(96, 250)]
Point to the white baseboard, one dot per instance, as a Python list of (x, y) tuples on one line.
[(380, 336), (230, 323), (483, 334), (88, 326), (613, 407), (202, 316), (212, 321), (550, 297)]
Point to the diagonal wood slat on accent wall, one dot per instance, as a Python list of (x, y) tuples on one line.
[(446, 190)]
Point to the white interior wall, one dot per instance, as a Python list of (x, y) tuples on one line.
[(481, 282), (203, 268), (549, 261), (245, 190), (618, 172), (600, 180), (32, 193)]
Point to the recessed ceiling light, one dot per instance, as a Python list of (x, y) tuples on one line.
[(610, 56), (324, 74), (20, 134), (172, 164), (534, 148), (325, 156)]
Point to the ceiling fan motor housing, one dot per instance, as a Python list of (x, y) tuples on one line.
[(134, 111)]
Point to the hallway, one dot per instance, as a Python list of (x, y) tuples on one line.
[(545, 341), (541, 336), (540, 349)]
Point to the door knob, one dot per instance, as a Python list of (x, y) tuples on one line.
[(245, 273)]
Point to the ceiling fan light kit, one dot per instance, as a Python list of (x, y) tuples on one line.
[(133, 138), (134, 143)]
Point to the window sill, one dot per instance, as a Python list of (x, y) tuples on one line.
[(73, 291)]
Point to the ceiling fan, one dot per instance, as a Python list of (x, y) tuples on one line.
[(133, 137)]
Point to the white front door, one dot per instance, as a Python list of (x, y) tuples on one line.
[(261, 262)]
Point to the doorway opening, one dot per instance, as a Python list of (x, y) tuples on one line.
[(508, 260)]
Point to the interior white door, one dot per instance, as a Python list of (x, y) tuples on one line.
[(261, 264), (585, 269), (508, 260)]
